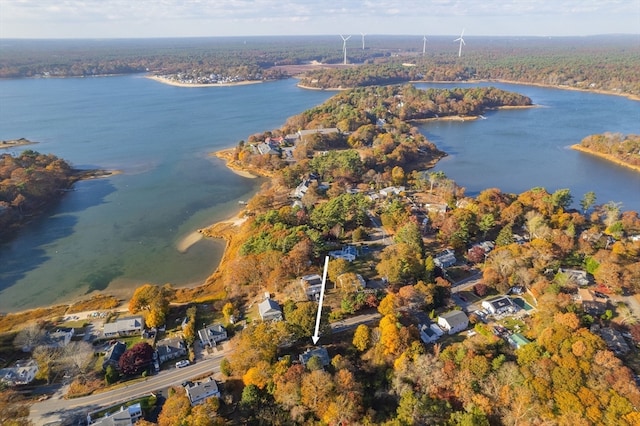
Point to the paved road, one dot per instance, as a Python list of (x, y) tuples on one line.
[(353, 322), (57, 410)]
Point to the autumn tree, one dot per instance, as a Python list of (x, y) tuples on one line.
[(175, 409), (136, 359), (154, 300), (29, 337), (362, 337)]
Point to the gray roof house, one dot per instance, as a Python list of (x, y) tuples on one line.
[(22, 373), (270, 310), (445, 259), (311, 284), (171, 348), (212, 334), (320, 352), (129, 326), (198, 392), (113, 354), (126, 416), (453, 321)]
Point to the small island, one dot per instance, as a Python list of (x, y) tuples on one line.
[(13, 143), (615, 147)]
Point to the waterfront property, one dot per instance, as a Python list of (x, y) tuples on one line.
[(113, 354), (130, 326)]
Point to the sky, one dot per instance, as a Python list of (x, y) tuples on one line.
[(205, 18)]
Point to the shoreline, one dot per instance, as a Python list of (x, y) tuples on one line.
[(617, 161), (170, 82)]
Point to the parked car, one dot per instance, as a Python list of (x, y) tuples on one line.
[(182, 363), (601, 295)]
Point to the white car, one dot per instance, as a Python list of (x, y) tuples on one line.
[(182, 363)]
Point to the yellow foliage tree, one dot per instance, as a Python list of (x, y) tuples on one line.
[(388, 305), (362, 337), (258, 375)]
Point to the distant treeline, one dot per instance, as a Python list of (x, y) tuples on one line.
[(609, 63)]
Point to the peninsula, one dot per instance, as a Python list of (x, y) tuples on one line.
[(614, 147), (13, 143)]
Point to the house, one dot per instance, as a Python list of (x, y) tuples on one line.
[(211, 335), (498, 305), (126, 416), (517, 340), (113, 354), (453, 321), (59, 338), (435, 208), (270, 310), (320, 352), (392, 190), (22, 373), (171, 348), (437, 330), (268, 148), (427, 335), (612, 338), (486, 246), (198, 392), (311, 284), (129, 326), (445, 259), (591, 304), (576, 276), (348, 253)]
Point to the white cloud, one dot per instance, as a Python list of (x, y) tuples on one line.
[(33, 18)]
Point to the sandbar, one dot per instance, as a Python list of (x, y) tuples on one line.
[(184, 244)]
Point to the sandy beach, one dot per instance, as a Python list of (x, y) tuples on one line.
[(170, 82)]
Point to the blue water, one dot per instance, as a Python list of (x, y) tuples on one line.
[(122, 231)]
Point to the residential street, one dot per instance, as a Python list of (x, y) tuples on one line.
[(57, 410)]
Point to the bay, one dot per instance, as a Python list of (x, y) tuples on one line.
[(119, 232)]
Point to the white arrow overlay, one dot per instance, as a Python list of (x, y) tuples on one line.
[(316, 336)]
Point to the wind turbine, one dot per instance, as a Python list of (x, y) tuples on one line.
[(424, 45), (363, 34), (461, 43), (344, 47)]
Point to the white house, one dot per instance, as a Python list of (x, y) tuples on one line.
[(270, 310), (577, 276), (198, 392), (211, 335), (348, 253), (453, 321), (498, 305), (22, 373), (392, 190), (129, 326), (437, 330), (427, 335)]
